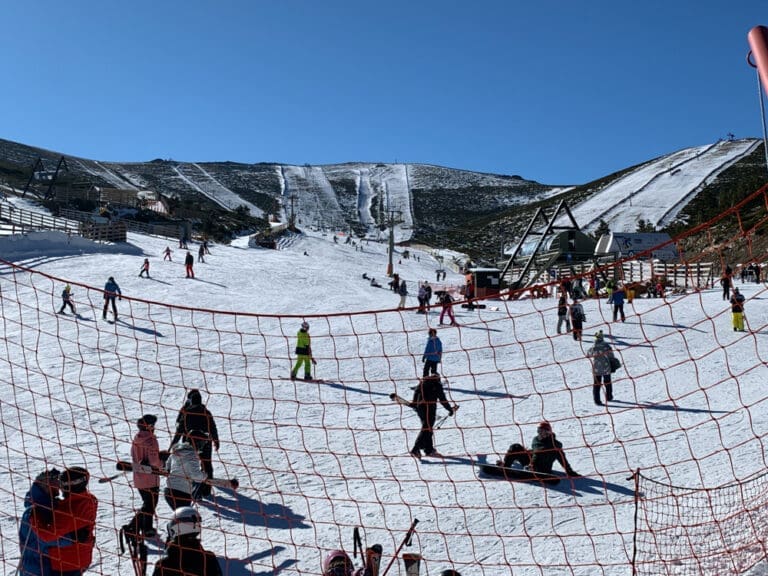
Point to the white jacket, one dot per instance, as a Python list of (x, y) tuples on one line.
[(183, 468)]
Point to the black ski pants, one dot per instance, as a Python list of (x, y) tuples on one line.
[(425, 439), (599, 381)]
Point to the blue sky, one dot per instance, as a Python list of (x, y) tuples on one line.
[(558, 92)]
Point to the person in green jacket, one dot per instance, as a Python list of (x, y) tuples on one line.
[(304, 352), (545, 451)]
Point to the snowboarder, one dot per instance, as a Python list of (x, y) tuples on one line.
[(184, 553), (602, 358), (737, 310), (66, 300), (195, 418), (433, 353), (425, 398), (562, 314), (304, 352), (577, 318), (184, 471), (111, 291), (545, 451), (167, 254), (144, 268), (145, 451), (189, 262)]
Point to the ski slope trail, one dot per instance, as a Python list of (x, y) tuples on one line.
[(204, 183), (658, 190), (315, 198)]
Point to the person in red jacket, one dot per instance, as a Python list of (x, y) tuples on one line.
[(74, 522), (145, 451)]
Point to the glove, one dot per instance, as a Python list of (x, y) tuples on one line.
[(314, 361), (216, 445), (423, 358), (392, 396)]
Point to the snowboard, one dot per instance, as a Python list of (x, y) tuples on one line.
[(519, 474)]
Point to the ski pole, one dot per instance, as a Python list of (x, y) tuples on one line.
[(406, 542), (108, 478), (358, 544)]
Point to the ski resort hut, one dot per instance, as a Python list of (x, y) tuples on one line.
[(486, 282), (617, 245)]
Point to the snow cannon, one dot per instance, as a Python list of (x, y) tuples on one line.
[(758, 42)]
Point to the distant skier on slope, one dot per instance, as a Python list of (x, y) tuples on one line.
[(304, 352), (66, 300)]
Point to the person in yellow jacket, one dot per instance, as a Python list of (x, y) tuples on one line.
[(304, 352)]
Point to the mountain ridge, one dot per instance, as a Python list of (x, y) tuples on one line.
[(432, 204)]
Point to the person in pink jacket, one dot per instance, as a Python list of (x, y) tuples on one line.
[(145, 451)]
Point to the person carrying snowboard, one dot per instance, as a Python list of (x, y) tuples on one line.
[(184, 553), (304, 353), (545, 451), (66, 300)]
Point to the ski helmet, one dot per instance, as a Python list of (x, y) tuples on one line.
[(74, 479), (184, 520), (599, 336), (450, 573), (305, 325), (337, 563)]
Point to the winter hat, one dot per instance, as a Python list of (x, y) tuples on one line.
[(74, 479), (544, 425), (194, 397), (599, 336), (147, 420)]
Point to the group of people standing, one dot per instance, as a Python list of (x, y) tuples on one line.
[(57, 529)]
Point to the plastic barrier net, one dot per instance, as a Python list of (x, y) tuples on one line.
[(315, 459)]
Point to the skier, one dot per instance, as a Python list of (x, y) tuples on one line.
[(38, 511), (725, 282), (200, 254), (111, 291), (425, 398), (433, 353), (446, 301), (577, 318), (545, 451), (421, 296), (145, 451), (74, 522), (195, 418), (66, 300), (183, 467), (144, 268), (184, 554), (601, 356), (737, 310), (337, 563), (189, 262), (562, 314), (304, 352), (617, 299), (167, 254)]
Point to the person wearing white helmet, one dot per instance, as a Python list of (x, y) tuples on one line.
[(304, 353), (184, 554)]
